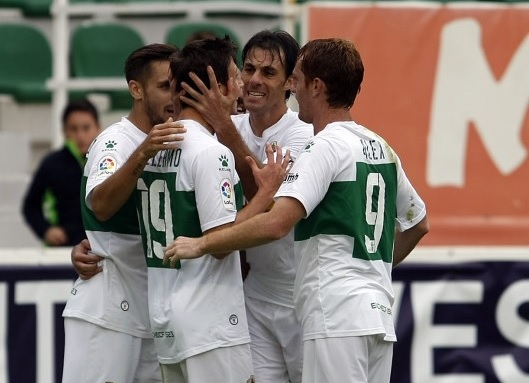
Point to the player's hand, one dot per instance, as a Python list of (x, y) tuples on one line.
[(163, 136), (85, 263), (183, 248), (211, 103), (55, 236), (270, 177)]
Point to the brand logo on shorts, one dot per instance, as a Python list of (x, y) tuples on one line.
[(233, 319), (124, 305)]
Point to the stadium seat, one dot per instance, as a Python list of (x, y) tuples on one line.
[(25, 63), (30, 8), (100, 50), (179, 34)]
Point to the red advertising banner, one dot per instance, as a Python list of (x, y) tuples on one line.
[(448, 87)]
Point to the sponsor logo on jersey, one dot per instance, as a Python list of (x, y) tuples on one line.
[(107, 166), (227, 194), (291, 177), (224, 163), (233, 319)]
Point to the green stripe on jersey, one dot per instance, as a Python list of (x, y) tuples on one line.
[(165, 214), (364, 209), (125, 221), (239, 196)]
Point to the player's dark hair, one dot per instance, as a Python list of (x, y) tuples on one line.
[(195, 57), (79, 105), (137, 65), (279, 43), (338, 64)]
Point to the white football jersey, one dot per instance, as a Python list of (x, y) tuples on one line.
[(273, 266), (116, 298), (355, 194), (186, 191)]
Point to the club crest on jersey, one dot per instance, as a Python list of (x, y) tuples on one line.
[(107, 166), (227, 194), (308, 146), (224, 163)]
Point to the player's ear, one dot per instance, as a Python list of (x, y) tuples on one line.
[(135, 90), (288, 84)]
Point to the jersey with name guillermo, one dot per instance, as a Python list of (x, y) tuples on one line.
[(186, 191)]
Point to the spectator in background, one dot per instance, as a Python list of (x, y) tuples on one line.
[(52, 206)]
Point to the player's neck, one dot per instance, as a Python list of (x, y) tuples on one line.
[(260, 121), (194, 115), (327, 116), (140, 120)]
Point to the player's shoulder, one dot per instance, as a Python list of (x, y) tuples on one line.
[(292, 119)]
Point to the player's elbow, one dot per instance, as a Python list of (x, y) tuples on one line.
[(277, 230), (101, 213), (423, 227)]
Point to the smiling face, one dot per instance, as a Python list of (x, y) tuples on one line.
[(157, 96), (265, 82)]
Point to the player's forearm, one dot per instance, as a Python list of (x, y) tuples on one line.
[(255, 231), (258, 204), (113, 193)]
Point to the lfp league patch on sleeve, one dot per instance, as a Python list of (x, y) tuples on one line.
[(227, 194), (106, 167)]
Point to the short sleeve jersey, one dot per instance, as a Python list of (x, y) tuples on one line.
[(117, 297), (186, 191), (355, 194), (273, 266)]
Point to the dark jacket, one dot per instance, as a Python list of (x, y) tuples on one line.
[(55, 189)]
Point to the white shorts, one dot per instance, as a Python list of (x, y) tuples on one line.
[(96, 354), (277, 349), (358, 359), (224, 364)]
